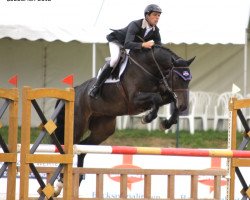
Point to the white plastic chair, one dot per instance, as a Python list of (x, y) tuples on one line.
[(210, 110), (213, 102), (202, 101), (221, 110), (129, 121), (119, 122), (248, 110), (190, 116)]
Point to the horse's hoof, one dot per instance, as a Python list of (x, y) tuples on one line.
[(143, 121), (58, 189), (161, 126), (165, 125), (146, 119), (168, 126), (81, 177)]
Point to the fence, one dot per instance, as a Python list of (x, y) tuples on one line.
[(237, 158)]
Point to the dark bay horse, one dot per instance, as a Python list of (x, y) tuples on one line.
[(151, 79)]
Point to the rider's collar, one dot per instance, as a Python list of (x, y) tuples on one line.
[(146, 25)]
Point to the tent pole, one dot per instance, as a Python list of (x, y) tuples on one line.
[(45, 66), (93, 59), (44, 72), (247, 39), (245, 68)]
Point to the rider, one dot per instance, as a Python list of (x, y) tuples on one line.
[(142, 33)]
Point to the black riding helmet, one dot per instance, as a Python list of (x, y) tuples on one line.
[(152, 8)]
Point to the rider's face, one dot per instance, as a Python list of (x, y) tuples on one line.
[(153, 18)]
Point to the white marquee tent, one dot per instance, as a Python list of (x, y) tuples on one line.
[(55, 38), (192, 21)]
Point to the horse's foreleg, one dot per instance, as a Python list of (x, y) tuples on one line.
[(151, 101), (167, 123), (151, 115)]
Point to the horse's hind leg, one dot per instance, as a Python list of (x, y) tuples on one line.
[(101, 128)]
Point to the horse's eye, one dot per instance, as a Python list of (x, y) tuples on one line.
[(176, 77)]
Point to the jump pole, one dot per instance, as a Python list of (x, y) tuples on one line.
[(225, 153), (102, 149)]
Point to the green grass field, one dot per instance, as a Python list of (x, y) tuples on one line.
[(201, 139)]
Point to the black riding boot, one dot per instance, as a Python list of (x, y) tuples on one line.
[(95, 89)]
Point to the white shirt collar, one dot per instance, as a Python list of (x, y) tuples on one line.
[(146, 25)]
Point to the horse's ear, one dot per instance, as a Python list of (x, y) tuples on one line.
[(190, 60), (173, 61), (180, 62)]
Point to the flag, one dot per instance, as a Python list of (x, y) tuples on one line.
[(69, 80), (235, 89), (13, 80)]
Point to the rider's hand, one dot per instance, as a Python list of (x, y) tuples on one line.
[(148, 44)]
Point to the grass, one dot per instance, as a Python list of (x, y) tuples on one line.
[(201, 139), (34, 134), (139, 137)]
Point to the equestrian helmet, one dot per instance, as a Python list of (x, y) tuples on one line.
[(152, 8)]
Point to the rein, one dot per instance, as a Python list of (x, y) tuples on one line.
[(170, 90), (162, 75), (142, 68), (164, 79)]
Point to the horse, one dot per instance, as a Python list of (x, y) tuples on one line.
[(152, 78)]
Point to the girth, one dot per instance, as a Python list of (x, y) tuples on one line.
[(125, 96)]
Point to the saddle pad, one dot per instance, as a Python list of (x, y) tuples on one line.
[(122, 68)]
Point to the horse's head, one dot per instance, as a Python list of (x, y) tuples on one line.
[(177, 73), (179, 82), (164, 66)]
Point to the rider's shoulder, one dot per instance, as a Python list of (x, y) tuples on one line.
[(137, 22), (157, 28)]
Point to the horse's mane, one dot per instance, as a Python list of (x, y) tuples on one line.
[(168, 50)]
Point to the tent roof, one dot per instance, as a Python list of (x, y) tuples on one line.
[(182, 21)]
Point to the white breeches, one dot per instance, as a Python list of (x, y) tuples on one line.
[(114, 53)]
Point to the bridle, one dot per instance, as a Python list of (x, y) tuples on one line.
[(184, 74), (163, 78)]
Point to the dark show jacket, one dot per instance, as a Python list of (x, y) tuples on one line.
[(130, 36)]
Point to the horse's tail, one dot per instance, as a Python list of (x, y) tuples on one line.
[(59, 132)]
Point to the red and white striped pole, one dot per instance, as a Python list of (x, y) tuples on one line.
[(101, 149)]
